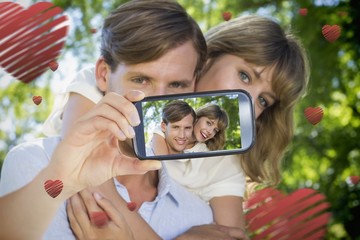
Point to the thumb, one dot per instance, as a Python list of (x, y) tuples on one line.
[(134, 95)]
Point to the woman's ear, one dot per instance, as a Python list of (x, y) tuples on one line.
[(102, 73)]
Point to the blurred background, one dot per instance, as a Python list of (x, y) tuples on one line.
[(325, 157)]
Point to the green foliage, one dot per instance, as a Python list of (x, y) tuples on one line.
[(321, 156)]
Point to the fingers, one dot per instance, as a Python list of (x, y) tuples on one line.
[(96, 214), (114, 113), (109, 208), (125, 165), (76, 210), (234, 232)]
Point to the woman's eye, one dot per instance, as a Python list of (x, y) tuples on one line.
[(244, 77), (263, 102)]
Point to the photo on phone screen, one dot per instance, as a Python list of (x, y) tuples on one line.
[(239, 130)]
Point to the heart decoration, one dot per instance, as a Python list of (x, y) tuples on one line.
[(271, 214), (99, 219), (30, 38), (37, 99), (53, 66), (314, 115), (53, 188), (227, 16), (131, 206), (331, 33), (354, 179), (303, 11)]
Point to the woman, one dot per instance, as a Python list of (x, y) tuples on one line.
[(209, 131), (251, 53)]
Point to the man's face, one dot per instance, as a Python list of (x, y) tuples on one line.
[(178, 134), (172, 73)]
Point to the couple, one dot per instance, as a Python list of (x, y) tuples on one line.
[(183, 130), (155, 48)]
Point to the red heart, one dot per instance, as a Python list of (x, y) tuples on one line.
[(37, 99), (227, 16), (272, 215), (53, 66), (354, 179), (53, 188), (331, 33), (314, 115), (30, 39), (131, 206), (303, 11), (99, 218)]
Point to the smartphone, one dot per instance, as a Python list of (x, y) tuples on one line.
[(239, 134)]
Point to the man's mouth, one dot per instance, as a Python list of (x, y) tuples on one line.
[(180, 141)]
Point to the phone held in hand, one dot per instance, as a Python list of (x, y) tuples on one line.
[(181, 132)]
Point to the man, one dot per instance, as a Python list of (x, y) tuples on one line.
[(178, 119)]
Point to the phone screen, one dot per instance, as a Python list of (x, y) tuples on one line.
[(223, 124)]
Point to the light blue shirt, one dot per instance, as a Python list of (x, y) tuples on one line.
[(173, 211)]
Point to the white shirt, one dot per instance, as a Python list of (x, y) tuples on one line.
[(173, 211), (207, 177)]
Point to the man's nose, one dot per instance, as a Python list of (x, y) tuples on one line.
[(182, 133), (159, 91)]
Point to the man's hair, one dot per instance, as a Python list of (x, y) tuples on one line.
[(144, 30), (176, 110)]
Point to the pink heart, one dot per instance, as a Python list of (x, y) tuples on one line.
[(331, 33), (314, 115), (271, 214), (53, 188), (30, 39)]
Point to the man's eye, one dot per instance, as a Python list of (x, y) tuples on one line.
[(244, 77), (139, 80)]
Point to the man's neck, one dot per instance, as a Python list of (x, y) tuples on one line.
[(141, 188)]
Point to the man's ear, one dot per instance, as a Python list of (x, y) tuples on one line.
[(102, 74), (163, 127)]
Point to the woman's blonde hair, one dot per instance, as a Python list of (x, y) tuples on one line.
[(261, 41), (215, 112)]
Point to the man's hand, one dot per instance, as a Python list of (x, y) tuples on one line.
[(91, 153), (213, 232), (109, 225)]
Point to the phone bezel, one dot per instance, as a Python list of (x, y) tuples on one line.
[(247, 123)]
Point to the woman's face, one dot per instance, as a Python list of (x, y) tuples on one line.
[(231, 72), (205, 129)]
